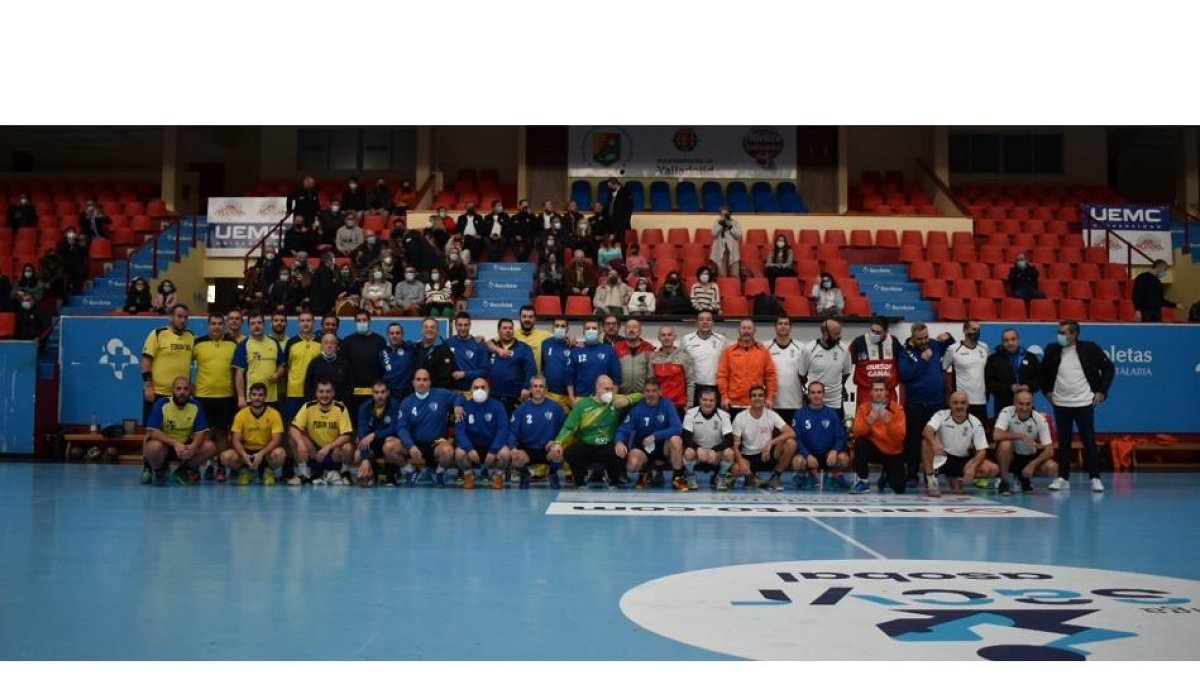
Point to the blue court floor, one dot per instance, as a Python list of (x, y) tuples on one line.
[(95, 566)]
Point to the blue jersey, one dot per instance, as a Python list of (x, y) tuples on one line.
[(484, 427), (661, 420), (818, 431), (426, 420), (511, 375), (924, 381), (557, 366), (534, 425), (382, 424), (470, 356), (398, 368), (592, 361)]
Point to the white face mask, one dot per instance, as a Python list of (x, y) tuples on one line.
[(704, 278), (435, 276), (591, 335), (421, 396), (827, 284), (363, 327), (270, 256), (441, 214), (453, 257), (606, 397), (560, 333), (479, 395), (410, 276), (876, 339), (378, 276), (27, 305), (387, 261), (335, 208)]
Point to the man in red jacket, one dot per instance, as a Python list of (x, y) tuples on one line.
[(874, 356)]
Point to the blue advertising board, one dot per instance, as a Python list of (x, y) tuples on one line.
[(100, 361), (1157, 382), (18, 380)]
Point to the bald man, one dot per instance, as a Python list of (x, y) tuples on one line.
[(958, 435)]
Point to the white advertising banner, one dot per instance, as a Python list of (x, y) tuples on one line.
[(1147, 227), (236, 224), (751, 152)]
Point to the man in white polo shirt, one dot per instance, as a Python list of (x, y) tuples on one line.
[(824, 360), (967, 359), (785, 352), (958, 435), (705, 347), (1023, 444)]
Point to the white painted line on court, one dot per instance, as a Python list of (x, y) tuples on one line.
[(848, 539)]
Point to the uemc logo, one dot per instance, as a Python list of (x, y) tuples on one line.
[(922, 610), (1125, 214)]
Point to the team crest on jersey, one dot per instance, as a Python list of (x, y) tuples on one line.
[(824, 424), (487, 417), (662, 418), (548, 415), (602, 356), (470, 353), (433, 407), (965, 432), (387, 419)]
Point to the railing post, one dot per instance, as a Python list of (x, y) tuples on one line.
[(178, 225)]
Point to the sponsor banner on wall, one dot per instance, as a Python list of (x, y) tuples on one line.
[(1157, 381), (18, 377), (747, 152), (236, 224), (919, 610), (1147, 227)]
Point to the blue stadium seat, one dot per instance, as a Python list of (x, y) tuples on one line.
[(602, 193), (759, 189), (660, 196), (637, 192), (686, 194), (581, 194), (738, 198), (787, 189), (711, 196), (766, 203)]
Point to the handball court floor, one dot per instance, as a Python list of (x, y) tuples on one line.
[(95, 566)]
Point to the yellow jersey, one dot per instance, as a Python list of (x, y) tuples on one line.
[(300, 352), (214, 367), (534, 340), (172, 356), (177, 422), (259, 358), (322, 426), (256, 430)]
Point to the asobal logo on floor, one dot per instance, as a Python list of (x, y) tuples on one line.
[(922, 610), (765, 505)]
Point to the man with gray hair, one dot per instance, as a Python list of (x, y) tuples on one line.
[(635, 356), (925, 383)]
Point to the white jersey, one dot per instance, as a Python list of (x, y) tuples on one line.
[(707, 432), (968, 366), (958, 438), (830, 367), (787, 374), (754, 433), (706, 355), (1036, 427)]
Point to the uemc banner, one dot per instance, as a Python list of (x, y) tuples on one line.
[(18, 376), (1157, 379), (756, 152), (1147, 227), (236, 224)]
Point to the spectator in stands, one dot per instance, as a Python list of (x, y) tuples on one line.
[(419, 250), (301, 237), (550, 276), (6, 293), (828, 297), (93, 223), (321, 292), (456, 246), (523, 227), (377, 293), (305, 202), (137, 297), (1149, 296), (281, 295), (439, 298), (437, 230), (609, 252), (572, 217), (1010, 368), (74, 251), (31, 321), (496, 227), (22, 214), (599, 222), (470, 226), (380, 202), (1023, 280), (404, 199), (53, 270), (458, 273), (391, 269), (612, 297), (410, 293), (673, 298), (165, 298), (705, 295), (329, 222), (348, 287), (551, 247), (727, 245), (781, 262), (581, 275), (619, 210), (353, 198), (448, 223), (549, 223), (636, 263), (349, 237), (369, 254), (642, 301), (580, 238), (268, 264)]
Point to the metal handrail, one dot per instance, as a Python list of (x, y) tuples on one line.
[(174, 222), (1109, 233), (262, 243)]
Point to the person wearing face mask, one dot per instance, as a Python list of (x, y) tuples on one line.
[(557, 365), (523, 228), (349, 237), (22, 214), (581, 275), (423, 429), (825, 360), (591, 360), (642, 301), (619, 209), (1076, 375), (922, 371), (589, 434), (599, 225), (330, 221), (879, 432), (321, 292), (549, 222), (1149, 299), (369, 254), (347, 288), (137, 298), (281, 295), (455, 251), (361, 350), (482, 436), (725, 252), (470, 226), (166, 297), (268, 264), (827, 297), (1010, 369), (579, 238), (1023, 280), (377, 293), (353, 197), (497, 227), (93, 223), (780, 263), (612, 297), (328, 366), (705, 294), (636, 263), (305, 202), (74, 251), (874, 355), (439, 297), (550, 272), (967, 360), (409, 294), (380, 200), (673, 297), (445, 223), (31, 322), (609, 253), (301, 237)]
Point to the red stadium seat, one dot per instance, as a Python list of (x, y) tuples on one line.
[(1069, 254), (991, 254), (1103, 309), (651, 235), (911, 238), (1013, 309), (579, 305), (757, 237), (807, 268), (703, 236), (734, 305), (963, 254), (8, 324), (937, 254), (729, 286), (910, 254), (950, 271), (860, 239), (991, 288), (921, 270), (985, 227), (1059, 271), (810, 237), (679, 235), (1053, 288), (858, 306), (1043, 310), (837, 267), (693, 254), (952, 309), (984, 309), (962, 239), (1078, 288), (1109, 288), (835, 238), (1087, 272), (795, 305), (937, 238), (886, 239), (829, 252), (756, 285), (977, 271), (935, 289), (1125, 310), (100, 249), (1072, 308), (547, 305), (964, 288)]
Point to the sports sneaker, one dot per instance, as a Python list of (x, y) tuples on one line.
[(426, 476), (775, 484), (657, 479), (268, 477), (727, 482), (756, 481), (691, 482), (799, 481), (932, 487), (210, 472), (523, 480), (468, 480), (861, 487), (1005, 488), (347, 479), (679, 483), (243, 477), (294, 480), (643, 480), (554, 483), (498, 480), (840, 482), (147, 475), (439, 479), (179, 475), (1060, 483), (410, 479), (812, 482), (1026, 485), (983, 483), (1097, 486), (160, 477), (621, 481), (221, 475)]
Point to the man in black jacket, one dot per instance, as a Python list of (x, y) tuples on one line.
[(434, 355), (31, 320), (1076, 376), (496, 228), (353, 197), (329, 366), (305, 202), (361, 350), (380, 201), (523, 227), (93, 223), (1009, 369), (1149, 295), (619, 209), (470, 226), (1023, 280)]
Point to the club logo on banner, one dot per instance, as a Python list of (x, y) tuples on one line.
[(761, 152), (236, 224), (922, 610), (1148, 228)]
